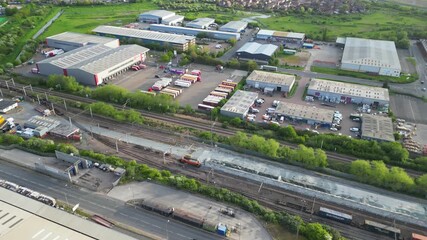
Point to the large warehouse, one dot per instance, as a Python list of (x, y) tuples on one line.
[(238, 105), (26, 218), (201, 23), (257, 51), (280, 36), (373, 56), (305, 113), (93, 64), (234, 26), (68, 41), (194, 32), (176, 41), (276, 81), (347, 92), (377, 128), (161, 16)]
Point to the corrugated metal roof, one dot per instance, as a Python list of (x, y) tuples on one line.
[(195, 31), (240, 102), (157, 13), (377, 127), (265, 32), (257, 48), (270, 77), (200, 22), (143, 34), (272, 33), (172, 19), (236, 25), (377, 53), (80, 38), (306, 112)]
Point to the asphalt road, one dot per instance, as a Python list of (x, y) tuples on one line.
[(245, 37), (105, 206)]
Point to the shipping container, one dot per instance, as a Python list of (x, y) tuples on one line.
[(308, 45), (190, 78), (335, 215), (226, 86), (187, 218), (381, 228), (218, 94), (205, 107)]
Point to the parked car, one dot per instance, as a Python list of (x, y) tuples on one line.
[(254, 110), (356, 119), (260, 100), (333, 129), (354, 129), (424, 89)]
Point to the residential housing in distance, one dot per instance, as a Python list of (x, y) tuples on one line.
[(161, 17), (379, 128), (275, 81), (256, 51), (176, 41), (347, 92), (372, 56)]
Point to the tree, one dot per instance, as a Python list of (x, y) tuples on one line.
[(315, 231), (361, 169), (63, 83), (252, 65), (398, 179), (422, 183), (232, 41), (321, 158), (379, 173), (165, 58), (236, 122)]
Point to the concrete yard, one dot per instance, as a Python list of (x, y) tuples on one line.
[(409, 108), (249, 228)]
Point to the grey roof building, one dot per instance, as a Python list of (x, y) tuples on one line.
[(306, 113), (279, 82), (93, 64), (6, 105), (374, 56), (238, 105), (347, 92), (257, 51), (377, 128), (161, 16), (202, 23), (30, 219), (69, 41), (234, 26), (280, 36), (179, 42), (194, 32)]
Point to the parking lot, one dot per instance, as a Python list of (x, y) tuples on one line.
[(409, 108)]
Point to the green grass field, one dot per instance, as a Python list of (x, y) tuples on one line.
[(372, 25), (84, 19), (2, 19)]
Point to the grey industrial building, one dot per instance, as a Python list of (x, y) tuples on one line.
[(238, 105), (201, 23), (194, 32), (379, 128), (280, 36), (372, 56), (305, 113), (347, 92), (276, 81), (234, 26), (41, 125), (93, 64), (6, 105), (26, 218), (68, 41), (176, 41), (256, 51), (161, 17)]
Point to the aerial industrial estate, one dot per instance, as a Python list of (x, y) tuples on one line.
[(115, 132)]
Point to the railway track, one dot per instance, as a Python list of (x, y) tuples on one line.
[(200, 124)]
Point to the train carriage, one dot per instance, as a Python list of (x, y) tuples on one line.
[(382, 228), (335, 215), (416, 236)]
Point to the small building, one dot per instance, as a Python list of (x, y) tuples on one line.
[(234, 26), (65, 131), (238, 105), (340, 42), (305, 114), (280, 36), (379, 128), (161, 17), (341, 92), (176, 41), (279, 82), (94, 64), (68, 41), (194, 32), (257, 51), (371, 56), (201, 23), (6, 105), (41, 125), (119, 171)]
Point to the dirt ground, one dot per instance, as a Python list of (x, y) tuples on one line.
[(299, 59)]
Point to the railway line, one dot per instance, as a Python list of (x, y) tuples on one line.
[(199, 124)]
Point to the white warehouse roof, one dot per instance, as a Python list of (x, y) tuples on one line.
[(306, 112), (240, 102), (30, 219), (370, 52), (200, 22), (271, 33), (266, 32), (144, 34), (270, 77), (81, 38), (158, 13), (257, 48), (350, 89), (234, 25)]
